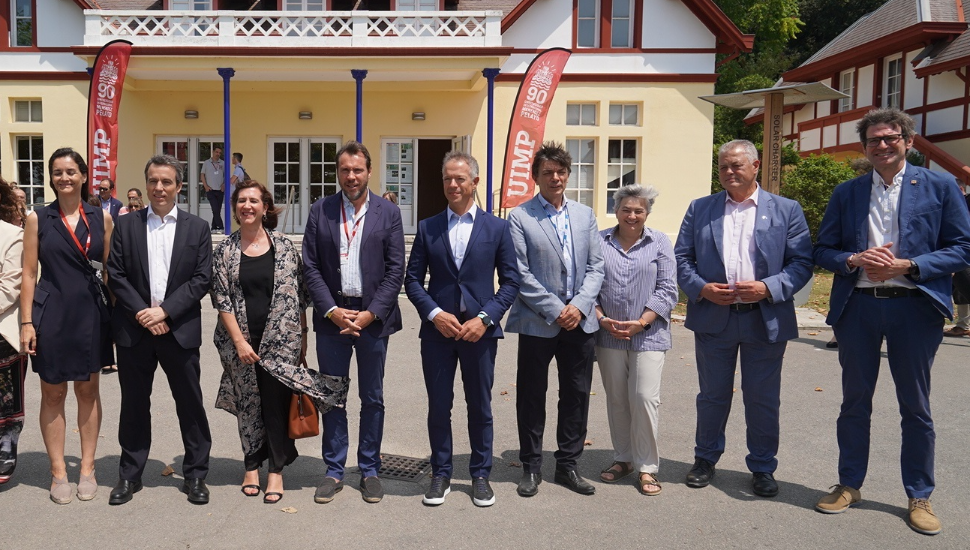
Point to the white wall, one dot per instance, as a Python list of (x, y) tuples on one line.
[(944, 120), (945, 86), (809, 140), (546, 24), (912, 87), (669, 24), (623, 63), (41, 62), (829, 136), (60, 23), (864, 86)]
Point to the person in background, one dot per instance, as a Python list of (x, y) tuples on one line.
[(212, 175), (21, 197), (13, 366), (390, 196), (633, 308), (134, 202), (107, 202), (65, 319), (261, 337)]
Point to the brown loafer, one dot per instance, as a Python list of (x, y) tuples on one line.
[(956, 332)]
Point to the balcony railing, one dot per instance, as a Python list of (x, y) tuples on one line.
[(295, 29)]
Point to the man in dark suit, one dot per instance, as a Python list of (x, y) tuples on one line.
[(463, 247), (892, 237), (353, 256), (159, 269), (109, 203), (742, 254)]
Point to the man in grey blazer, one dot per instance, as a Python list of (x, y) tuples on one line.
[(561, 269)]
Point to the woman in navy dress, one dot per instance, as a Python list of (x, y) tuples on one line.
[(65, 325)]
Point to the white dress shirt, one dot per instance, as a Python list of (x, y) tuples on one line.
[(739, 246), (560, 220), (884, 224), (459, 232), (351, 229), (161, 240)]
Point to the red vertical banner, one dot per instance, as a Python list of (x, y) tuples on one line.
[(104, 99), (528, 124)]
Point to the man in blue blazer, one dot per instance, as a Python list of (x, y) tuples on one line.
[(353, 258), (561, 270), (741, 256), (892, 237), (463, 247), (109, 203)]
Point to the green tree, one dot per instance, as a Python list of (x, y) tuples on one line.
[(824, 20), (811, 182)]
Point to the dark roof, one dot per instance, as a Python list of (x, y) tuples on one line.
[(893, 16), (956, 53), (505, 6)]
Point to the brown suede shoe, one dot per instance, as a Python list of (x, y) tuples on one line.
[(956, 332), (921, 517), (839, 500)]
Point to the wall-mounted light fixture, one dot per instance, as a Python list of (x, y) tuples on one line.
[(417, 115), (306, 115), (191, 114)]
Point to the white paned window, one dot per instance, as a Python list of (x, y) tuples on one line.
[(581, 114), (621, 167), (305, 5), (894, 82), (624, 114), (22, 27), (28, 111), (587, 24), (847, 87), (29, 159), (622, 24), (417, 5), (190, 5), (582, 175)]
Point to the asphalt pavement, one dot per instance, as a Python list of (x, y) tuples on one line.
[(723, 515)]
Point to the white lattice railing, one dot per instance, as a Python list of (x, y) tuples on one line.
[(303, 29)]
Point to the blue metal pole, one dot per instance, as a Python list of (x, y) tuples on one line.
[(359, 75), (226, 74), (490, 74)]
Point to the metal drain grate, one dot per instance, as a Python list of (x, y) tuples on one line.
[(405, 468)]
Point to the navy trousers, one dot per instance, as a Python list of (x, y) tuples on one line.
[(913, 330), (717, 360), (334, 352), (440, 359)]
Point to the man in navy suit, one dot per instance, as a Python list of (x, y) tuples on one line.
[(463, 247), (742, 254), (109, 203), (892, 237), (159, 269), (353, 257)]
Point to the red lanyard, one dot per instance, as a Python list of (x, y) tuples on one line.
[(87, 245), (350, 236)]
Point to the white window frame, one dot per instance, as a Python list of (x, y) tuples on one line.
[(32, 114), (577, 187), (190, 5), (617, 22), (34, 185), (893, 95), (595, 21), (15, 19), (847, 87), (305, 5), (417, 5), (584, 113), (618, 166), (624, 108)]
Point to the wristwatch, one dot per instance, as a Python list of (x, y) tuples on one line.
[(913, 270), (485, 319)]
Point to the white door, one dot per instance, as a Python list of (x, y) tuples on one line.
[(397, 176), (302, 170), (191, 151), (203, 152)]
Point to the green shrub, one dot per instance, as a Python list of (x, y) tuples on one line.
[(811, 183)]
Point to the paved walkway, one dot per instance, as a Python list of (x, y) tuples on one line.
[(724, 515)]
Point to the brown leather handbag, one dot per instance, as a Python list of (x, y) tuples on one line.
[(304, 421)]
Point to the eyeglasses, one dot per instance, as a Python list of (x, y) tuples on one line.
[(890, 140)]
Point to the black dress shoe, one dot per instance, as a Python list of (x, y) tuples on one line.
[(123, 491), (701, 474), (529, 484), (196, 489), (572, 480), (764, 485)]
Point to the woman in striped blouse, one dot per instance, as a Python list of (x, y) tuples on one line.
[(633, 308)]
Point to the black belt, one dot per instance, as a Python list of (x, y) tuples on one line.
[(745, 307), (889, 291), (350, 302)]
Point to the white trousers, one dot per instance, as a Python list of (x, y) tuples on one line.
[(632, 383)]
